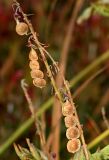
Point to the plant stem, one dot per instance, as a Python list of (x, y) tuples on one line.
[(41, 49), (52, 79), (24, 126), (31, 107), (56, 111)]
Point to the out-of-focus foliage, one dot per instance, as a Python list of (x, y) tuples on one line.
[(98, 155), (34, 153)]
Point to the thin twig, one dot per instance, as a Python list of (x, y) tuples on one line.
[(30, 104), (31, 107)]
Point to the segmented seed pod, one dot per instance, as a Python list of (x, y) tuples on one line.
[(72, 132), (73, 145), (38, 82), (70, 121), (33, 55), (21, 28), (37, 74), (67, 109), (34, 65)]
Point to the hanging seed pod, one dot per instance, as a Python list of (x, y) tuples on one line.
[(21, 28), (70, 121), (73, 145), (72, 132), (34, 65), (39, 82), (67, 109), (33, 55), (37, 74)]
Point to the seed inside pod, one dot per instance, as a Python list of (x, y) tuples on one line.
[(73, 145), (33, 55), (21, 28), (34, 65), (72, 132), (67, 109), (39, 82), (37, 74), (70, 121)]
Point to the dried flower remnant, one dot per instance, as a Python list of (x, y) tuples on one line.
[(72, 132), (36, 73), (73, 145)]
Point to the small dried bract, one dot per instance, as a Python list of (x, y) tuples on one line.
[(70, 121), (22, 28), (73, 145), (67, 109), (33, 55), (72, 132), (39, 82)]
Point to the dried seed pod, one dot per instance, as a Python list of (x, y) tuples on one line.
[(21, 28), (37, 74), (33, 55), (72, 132), (67, 109), (73, 145), (34, 65), (39, 82), (70, 121)]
